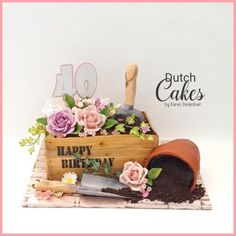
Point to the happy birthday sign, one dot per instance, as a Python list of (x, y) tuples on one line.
[(83, 82)]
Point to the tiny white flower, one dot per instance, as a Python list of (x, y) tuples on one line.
[(74, 109), (69, 178), (80, 104), (105, 101), (49, 108), (89, 101)]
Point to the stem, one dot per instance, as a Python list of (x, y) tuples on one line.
[(35, 141)]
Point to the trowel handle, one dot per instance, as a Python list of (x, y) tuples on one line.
[(54, 186), (130, 84)]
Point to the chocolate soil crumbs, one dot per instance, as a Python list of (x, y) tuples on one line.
[(172, 185)]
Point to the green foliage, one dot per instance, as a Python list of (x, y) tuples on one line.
[(153, 174), (105, 112), (135, 131), (107, 168), (149, 182), (36, 131), (120, 128), (77, 129), (42, 120), (95, 164), (109, 123), (130, 120), (70, 101)]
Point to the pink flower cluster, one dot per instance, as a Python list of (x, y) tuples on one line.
[(61, 122), (43, 195)]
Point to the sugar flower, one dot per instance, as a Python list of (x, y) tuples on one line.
[(61, 123), (49, 108), (69, 178), (134, 176), (90, 119)]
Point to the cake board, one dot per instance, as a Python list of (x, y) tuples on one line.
[(81, 201)]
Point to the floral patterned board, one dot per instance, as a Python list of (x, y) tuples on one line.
[(77, 200)]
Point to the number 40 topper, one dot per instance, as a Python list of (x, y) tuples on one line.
[(84, 82)]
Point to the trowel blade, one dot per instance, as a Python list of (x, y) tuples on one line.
[(98, 182), (92, 185)]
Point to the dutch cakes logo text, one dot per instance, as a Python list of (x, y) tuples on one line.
[(179, 90)]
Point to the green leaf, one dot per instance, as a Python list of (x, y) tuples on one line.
[(22, 142), (105, 112), (142, 136), (149, 182), (31, 150), (95, 164), (86, 162), (135, 131), (118, 173), (109, 123), (154, 173), (120, 128), (77, 129), (42, 120), (130, 120), (70, 101), (107, 168), (77, 156)]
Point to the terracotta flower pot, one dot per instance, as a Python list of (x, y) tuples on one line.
[(182, 149)]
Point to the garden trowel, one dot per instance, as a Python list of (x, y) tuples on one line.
[(90, 185), (130, 91)]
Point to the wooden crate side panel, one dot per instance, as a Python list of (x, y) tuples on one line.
[(56, 167), (98, 152)]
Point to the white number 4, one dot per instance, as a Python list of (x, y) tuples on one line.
[(84, 82)]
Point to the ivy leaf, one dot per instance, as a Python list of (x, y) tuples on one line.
[(149, 182), (107, 168), (109, 123), (77, 129), (120, 128), (135, 131), (105, 112), (77, 156), (42, 120), (154, 173), (86, 162), (70, 101), (130, 120), (95, 165)]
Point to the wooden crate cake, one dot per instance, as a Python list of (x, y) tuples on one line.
[(115, 149)]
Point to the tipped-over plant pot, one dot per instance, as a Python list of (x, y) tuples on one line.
[(184, 150)]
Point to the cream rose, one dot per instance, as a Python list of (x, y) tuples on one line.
[(134, 176), (90, 119)]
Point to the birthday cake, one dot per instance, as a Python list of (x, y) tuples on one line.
[(89, 141)]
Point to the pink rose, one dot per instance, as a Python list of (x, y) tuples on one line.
[(133, 175), (90, 119)]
